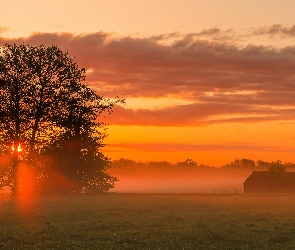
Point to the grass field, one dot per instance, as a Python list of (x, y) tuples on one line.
[(149, 221)]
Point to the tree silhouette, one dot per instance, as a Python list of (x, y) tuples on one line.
[(44, 103), (243, 163), (276, 167)]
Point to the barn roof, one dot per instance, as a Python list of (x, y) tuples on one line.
[(270, 177)]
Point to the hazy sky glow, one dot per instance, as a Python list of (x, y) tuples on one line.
[(209, 80)]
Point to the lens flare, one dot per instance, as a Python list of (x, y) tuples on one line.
[(19, 148)]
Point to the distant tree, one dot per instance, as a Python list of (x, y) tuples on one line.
[(122, 162), (127, 167), (44, 104), (290, 165), (187, 163), (242, 164), (263, 164), (160, 164), (277, 167)]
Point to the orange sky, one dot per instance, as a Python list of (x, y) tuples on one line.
[(209, 80)]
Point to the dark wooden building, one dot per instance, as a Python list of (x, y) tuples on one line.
[(270, 182)]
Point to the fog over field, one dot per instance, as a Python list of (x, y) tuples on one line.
[(190, 181), (184, 177)]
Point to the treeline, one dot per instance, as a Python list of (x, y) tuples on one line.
[(237, 164)]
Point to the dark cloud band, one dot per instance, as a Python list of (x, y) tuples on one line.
[(224, 82)]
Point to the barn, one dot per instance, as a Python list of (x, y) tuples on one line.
[(270, 182)]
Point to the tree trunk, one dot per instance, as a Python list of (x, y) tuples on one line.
[(15, 166), (15, 158)]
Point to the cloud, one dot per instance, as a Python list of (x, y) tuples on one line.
[(276, 30), (3, 29), (197, 114), (232, 36), (225, 82), (184, 147)]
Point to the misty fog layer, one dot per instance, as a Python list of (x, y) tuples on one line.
[(184, 177)]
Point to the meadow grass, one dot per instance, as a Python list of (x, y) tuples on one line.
[(149, 221)]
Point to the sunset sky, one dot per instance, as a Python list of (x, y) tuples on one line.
[(210, 80)]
